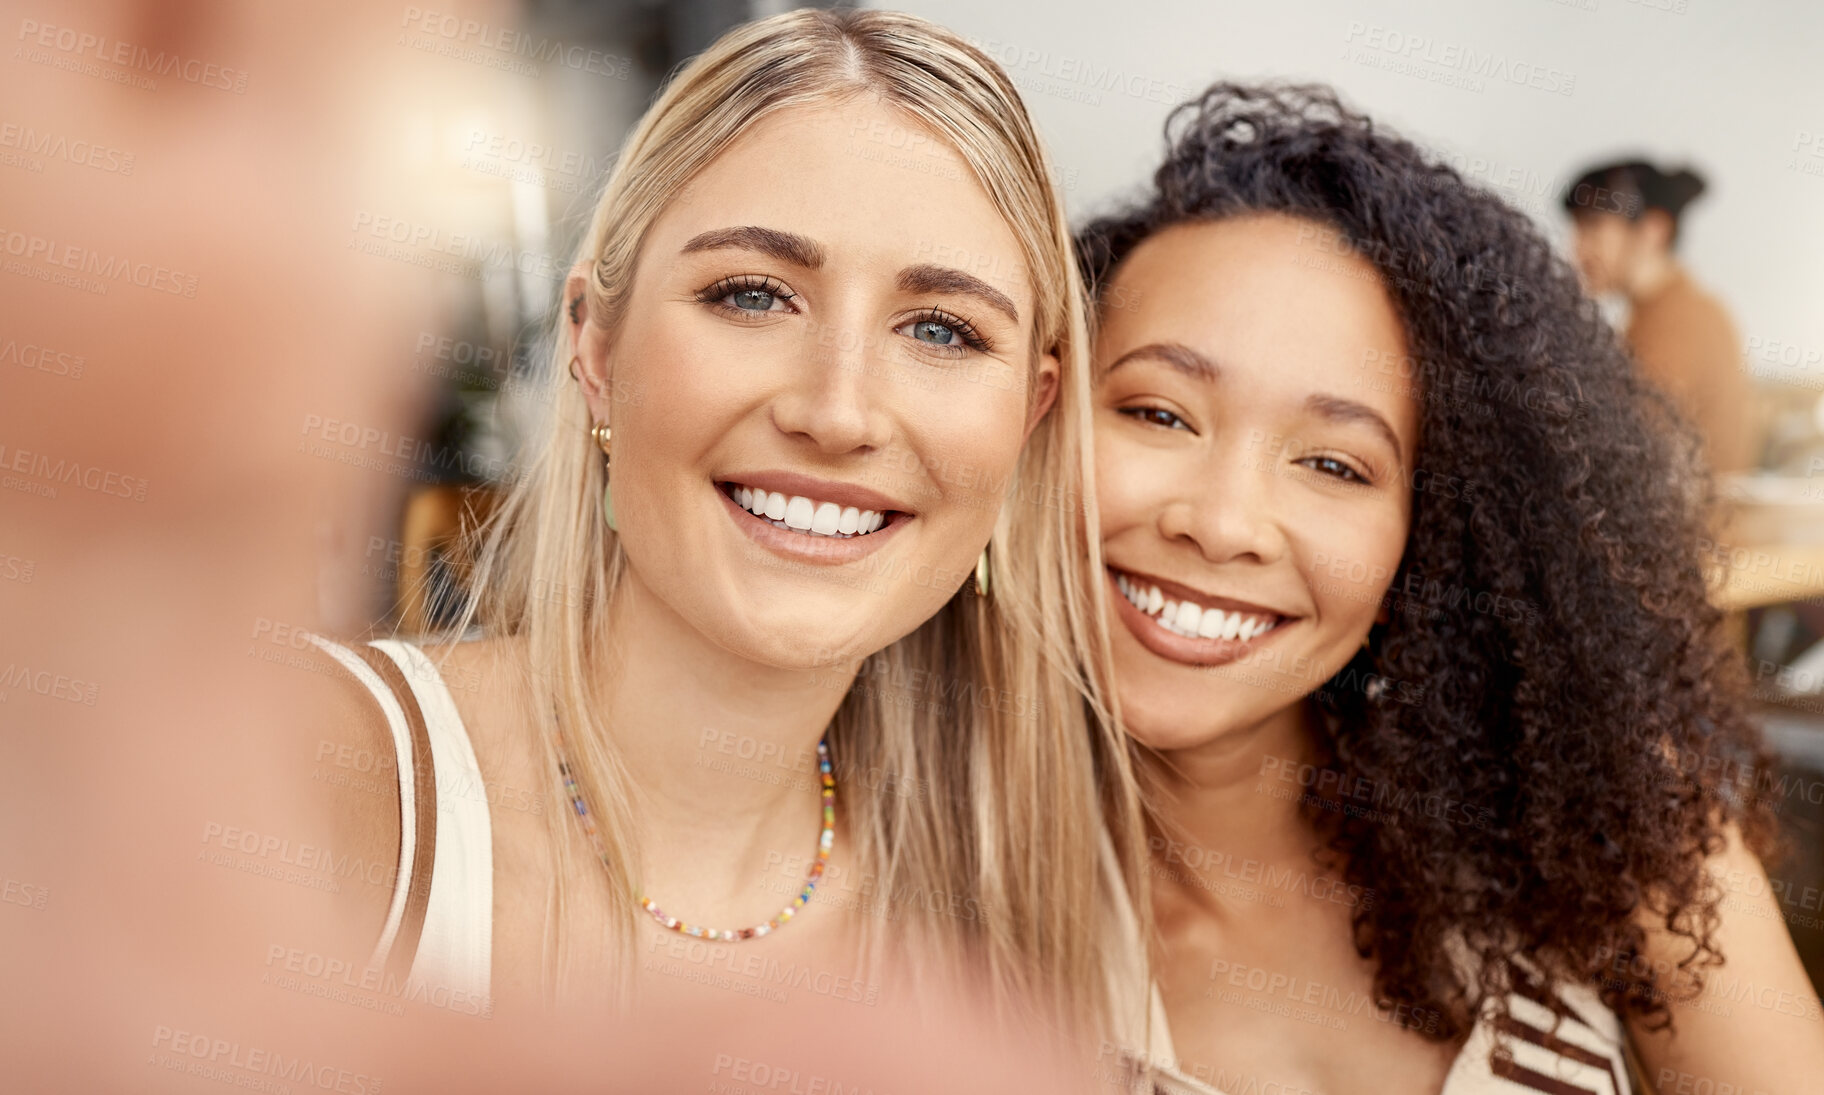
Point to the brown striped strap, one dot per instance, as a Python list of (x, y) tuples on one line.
[(424, 798), (1507, 1069)]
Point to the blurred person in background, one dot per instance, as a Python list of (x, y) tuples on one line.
[(1626, 222)]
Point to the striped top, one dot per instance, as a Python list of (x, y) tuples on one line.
[(1574, 1051), (1573, 1045)]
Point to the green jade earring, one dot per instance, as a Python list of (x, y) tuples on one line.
[(602, 436), (598, 432)]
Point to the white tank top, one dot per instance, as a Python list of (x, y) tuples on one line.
[(439, 929)]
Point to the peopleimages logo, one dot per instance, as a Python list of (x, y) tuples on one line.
[(1085, 76), (48, 472), (315, 974), (503, 47), (55, 146), (90, 263), (213, 1058), (43, 682), (82, 48), (468, 255), (1454, 57), (44, 359)]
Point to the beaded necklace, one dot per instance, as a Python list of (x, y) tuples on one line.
[(824, 842)]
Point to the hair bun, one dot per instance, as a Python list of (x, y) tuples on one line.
[(1631, 187), (1679, 189)]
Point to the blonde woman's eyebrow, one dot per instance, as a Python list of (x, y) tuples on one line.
[(784, 246), (929, 278)]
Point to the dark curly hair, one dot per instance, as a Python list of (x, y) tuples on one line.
[(1562, 677)]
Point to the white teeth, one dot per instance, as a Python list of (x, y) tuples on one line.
[(807, 515), (1210, 625), (1190, 619)]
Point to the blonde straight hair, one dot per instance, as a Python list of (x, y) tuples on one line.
[(996, 792)]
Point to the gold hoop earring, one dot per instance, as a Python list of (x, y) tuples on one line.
[(981, 573), (602, 436), (574, 375)]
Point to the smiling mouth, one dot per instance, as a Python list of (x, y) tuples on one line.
[(808, 516), (1189, 618)]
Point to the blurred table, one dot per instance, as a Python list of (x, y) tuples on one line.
[(1772, 549)]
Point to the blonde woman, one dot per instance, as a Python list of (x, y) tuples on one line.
[(824, 323)]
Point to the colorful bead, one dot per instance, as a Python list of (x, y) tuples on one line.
[(825, 840)]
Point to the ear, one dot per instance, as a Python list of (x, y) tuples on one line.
[(1655, 228), (587, 342), (1044, 391)]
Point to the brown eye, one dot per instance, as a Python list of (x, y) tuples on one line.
[(1330, 465), (1156, 416)]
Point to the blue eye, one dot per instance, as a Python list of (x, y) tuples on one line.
[(748, 293), (951, 335), (937, 333)]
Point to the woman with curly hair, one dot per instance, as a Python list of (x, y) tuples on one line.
[(1414, 633)]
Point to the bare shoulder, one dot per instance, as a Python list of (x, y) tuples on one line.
[(1757, 1020), (486, 680)]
